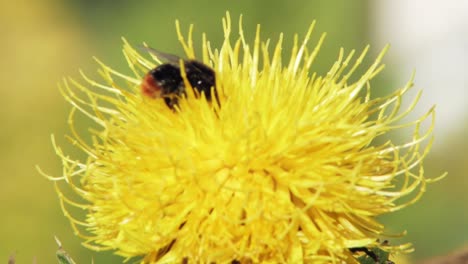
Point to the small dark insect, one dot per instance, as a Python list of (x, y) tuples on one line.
[(367, 251), (374, 255), (165, 81)]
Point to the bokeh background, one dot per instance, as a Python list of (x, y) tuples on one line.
[(44, 40)]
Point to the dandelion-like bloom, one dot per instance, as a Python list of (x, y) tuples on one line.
[(285, 169)]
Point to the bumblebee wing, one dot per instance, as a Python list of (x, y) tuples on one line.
[(162, 56)]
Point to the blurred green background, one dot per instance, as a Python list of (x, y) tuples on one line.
[(42, 41)]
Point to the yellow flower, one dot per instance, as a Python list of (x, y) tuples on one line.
[(284, 170)]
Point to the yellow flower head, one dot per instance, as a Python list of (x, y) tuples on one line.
[(285, 169)]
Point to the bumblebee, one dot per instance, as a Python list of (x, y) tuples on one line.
[(165, 81)]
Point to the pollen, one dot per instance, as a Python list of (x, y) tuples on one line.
[(288, 167)]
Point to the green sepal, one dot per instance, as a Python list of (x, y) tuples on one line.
[(62, 255)]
